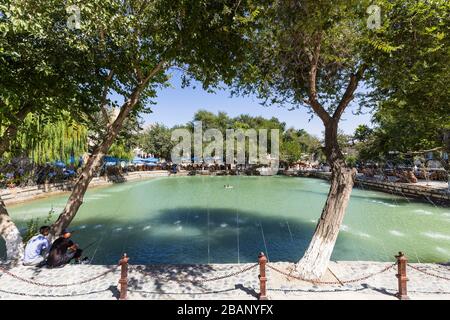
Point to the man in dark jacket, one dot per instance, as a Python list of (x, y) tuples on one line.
[(63, 250)]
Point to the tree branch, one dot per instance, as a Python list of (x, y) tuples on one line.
[(348, 95), (314, 60), (153, 72), (104, 94)]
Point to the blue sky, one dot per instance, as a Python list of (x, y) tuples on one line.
[(178, 106)]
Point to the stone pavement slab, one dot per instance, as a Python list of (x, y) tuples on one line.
[(186, 282)]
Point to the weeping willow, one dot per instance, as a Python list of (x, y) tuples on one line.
[(120, 151), (61, 140)]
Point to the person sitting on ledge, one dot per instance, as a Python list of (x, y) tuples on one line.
[(37, 248), (63, 251)]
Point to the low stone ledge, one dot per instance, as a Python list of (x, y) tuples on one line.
[(421, 192), (17, 195)]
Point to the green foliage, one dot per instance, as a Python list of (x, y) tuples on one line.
[(46, 67), (362, 133), (40, 69), (406, 60), (156, 140), (293, 143), (291, 151), (286, 34), (118, 150), (410, 85), (297, 144), (48, 142), (34, 224), (351, 160)]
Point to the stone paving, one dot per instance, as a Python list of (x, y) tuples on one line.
[(188, 282)]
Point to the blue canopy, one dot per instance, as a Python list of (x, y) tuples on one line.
[(59, 164), (153, 160), (69, 172), (150, 164), (110, 161), (138, 160)]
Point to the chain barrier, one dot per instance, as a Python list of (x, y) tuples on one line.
[(53, 295), (341, 282), (261, 263), (202, 280), (428, 273), (185, 293), (29, 281)]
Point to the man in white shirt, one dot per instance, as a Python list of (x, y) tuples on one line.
[(37, 248)]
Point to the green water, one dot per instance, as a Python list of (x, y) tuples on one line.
[(196, 220)]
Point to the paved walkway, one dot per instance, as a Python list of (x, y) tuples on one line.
[(188, 282)]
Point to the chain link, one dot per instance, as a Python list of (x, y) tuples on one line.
[(29, 281), (341, 282), (428, 273), (34, 295), (203, 280)]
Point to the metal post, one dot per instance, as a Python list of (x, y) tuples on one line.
[(402, 261), (123, 277), (448, 181), (262, 260)]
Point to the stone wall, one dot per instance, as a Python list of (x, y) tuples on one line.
[(16, 195), (435, 194), (441, 196)]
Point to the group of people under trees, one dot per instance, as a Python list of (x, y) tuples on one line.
[(39, 252), (407, 175)]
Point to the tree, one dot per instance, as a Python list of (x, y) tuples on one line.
[(222, 122), (315, 54), (291, 151), (157, 141), (362, 133), (133, 44), (312, 62), (298, 143), (412, 112), (120, 151), (39, 74), (42, 142)]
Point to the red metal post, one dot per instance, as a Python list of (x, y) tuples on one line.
[(123, 277), (402, 261), (262, 260)]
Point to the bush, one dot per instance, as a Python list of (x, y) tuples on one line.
[(34, 224)]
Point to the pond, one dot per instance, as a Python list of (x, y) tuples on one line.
[(197, 220)]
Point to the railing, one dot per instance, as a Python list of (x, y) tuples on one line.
[(401, 263)]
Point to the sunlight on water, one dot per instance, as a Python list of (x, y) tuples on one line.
[(181, 219)]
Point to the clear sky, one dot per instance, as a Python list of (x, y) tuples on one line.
[(178, 105)]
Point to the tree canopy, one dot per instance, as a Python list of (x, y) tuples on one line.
[(410, 93), (293, 143)]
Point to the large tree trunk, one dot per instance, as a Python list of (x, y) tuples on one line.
[(11, 235), (8, 229), (94, 162), (315, 261)]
